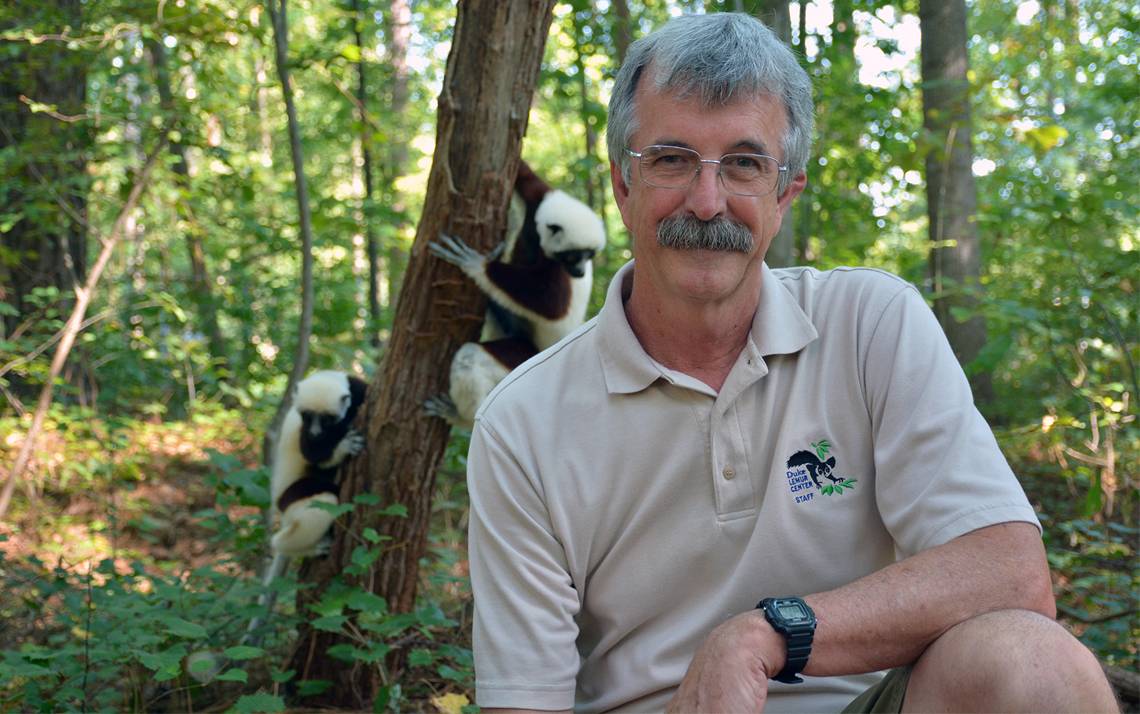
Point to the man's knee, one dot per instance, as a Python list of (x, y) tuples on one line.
[(1009, 660)]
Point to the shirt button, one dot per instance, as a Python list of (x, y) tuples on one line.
[(729, 472)]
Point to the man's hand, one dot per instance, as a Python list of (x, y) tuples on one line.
[(730, 671)]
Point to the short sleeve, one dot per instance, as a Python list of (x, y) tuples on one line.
[(525, 603), (939, 471)]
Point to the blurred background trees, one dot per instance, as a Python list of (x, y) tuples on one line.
[(193, 327)]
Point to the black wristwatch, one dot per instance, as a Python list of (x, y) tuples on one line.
[(792, 618)]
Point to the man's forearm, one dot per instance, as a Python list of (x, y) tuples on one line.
[(889, 617)]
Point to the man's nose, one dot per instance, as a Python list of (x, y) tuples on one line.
[(705, 198)]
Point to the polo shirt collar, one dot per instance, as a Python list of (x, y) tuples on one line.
[(779, 326)]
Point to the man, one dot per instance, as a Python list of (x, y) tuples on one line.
[(723, 433)]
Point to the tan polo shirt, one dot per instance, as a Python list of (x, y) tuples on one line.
[(620, 510)]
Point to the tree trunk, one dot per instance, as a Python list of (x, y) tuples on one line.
[(371, 241), (44, 187), (593, 195), (491, 74), (623, 29), (951, 196), (278, 13), (201, 290), (399, 40), (775, 14), (71, 330)]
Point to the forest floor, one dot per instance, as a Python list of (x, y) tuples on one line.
[(148, 513)]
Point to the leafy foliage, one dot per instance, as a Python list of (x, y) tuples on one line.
[(133, 634), (109, 618)]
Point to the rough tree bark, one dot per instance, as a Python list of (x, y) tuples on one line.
[(491, 74), (951, 195)]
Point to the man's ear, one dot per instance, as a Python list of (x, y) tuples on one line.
[(621, 189), (795, 188)]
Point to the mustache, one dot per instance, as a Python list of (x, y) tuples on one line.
[(691, 233)]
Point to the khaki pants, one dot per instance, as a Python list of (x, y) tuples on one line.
[(885, 697)]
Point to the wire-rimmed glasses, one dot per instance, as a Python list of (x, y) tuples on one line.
[(676, 167)]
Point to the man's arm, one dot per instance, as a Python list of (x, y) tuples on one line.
[(882, 620)]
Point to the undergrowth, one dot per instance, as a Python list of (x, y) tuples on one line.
[(143, 600)]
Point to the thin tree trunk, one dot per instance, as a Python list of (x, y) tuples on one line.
[(623, 29), (951, 195), (775, 14), (71, 330), (278, 14), (371, 241), (593, 197), (491, 74), (45, 173), (201, 292), (399, 41)]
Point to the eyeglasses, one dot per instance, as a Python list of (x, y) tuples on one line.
[(677, 167)]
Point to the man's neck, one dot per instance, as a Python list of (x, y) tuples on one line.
[(700, 339)]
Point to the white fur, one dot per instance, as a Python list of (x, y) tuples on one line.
[(474, 373), (582, 229), (301, 527)]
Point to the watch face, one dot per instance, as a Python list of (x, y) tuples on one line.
[(792, 611)]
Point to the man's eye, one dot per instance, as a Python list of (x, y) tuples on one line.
[(745, 163), (670, 159)]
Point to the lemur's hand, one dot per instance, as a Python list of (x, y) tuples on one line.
[(459, 254), (441, 406), (351, 445)]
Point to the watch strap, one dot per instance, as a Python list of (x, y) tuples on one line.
[(797, 636)]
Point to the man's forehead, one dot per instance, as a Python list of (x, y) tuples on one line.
[(758, 118)]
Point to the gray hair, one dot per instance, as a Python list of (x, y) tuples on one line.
[(720, 58)]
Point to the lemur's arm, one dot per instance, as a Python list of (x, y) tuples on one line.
[(351, 445), (539, 293)]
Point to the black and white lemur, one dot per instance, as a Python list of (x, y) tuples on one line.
[(539, 291), (316, 436)]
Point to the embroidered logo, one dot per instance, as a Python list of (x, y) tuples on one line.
[(812, 472)]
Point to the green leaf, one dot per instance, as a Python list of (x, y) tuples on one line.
[(398, 510), (420, 657), (183, 628), (330, 623), (310, 687), (260, 702), (1043, 138), (367, 602), (233, 675), (18, 668), (241, 652), (363, 557), (346, 653), (367, 499), (351, 53), (337, 510)]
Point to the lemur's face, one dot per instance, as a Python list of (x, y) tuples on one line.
[(317, 422), (575, 262)]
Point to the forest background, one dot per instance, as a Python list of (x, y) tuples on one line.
[(154, 136)]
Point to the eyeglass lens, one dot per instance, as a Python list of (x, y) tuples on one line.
[(676, 167)]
